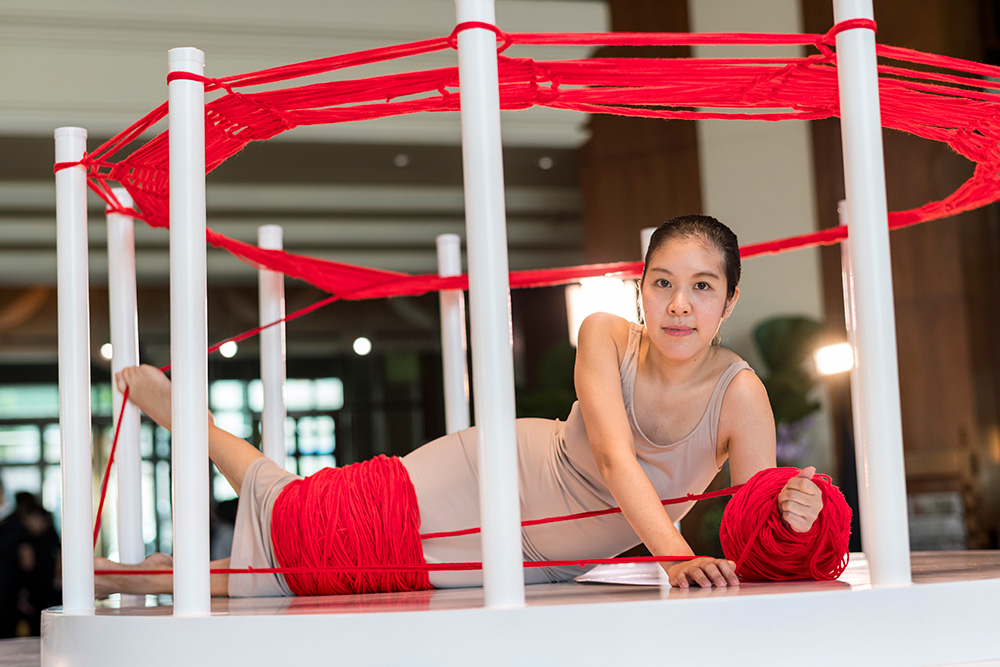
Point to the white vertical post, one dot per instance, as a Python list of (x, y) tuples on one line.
[(875, 353), (188, 335), (858, 401), (489, 303), (74, 374), (272, 350), (125, 353), (453, 341), (645, 234)]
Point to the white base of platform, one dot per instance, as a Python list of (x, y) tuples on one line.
[(945, 622)]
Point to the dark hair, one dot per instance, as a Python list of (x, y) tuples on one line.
[(705, 227)]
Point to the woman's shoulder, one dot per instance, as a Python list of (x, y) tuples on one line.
[(745, 393), (606, 327), (607, 321)]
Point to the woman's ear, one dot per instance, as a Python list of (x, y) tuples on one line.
[(731, 303)]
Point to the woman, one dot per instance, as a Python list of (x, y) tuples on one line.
[(661, 408)]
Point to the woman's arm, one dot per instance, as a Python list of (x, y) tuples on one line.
[(602, 342), (747, 426)]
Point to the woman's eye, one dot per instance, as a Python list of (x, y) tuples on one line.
[(701, 286), (663, 282)]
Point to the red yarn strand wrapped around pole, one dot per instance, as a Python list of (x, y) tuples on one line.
[(764, 547)]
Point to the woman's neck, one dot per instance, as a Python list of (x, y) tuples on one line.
[(674, 372)]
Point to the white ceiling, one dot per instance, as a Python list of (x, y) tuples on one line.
[(100, 64)]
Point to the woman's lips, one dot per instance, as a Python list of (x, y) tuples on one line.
[(679, 331)]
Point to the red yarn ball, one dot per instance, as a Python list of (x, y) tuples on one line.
[(764, 547), (343, 524)]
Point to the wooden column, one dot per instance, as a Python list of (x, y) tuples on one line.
[(637, 172)]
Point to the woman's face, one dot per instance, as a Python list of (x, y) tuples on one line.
[(684, 297)]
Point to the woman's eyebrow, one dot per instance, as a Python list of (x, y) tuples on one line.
[(699, 274)]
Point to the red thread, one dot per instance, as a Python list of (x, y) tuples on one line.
[(586, 515), (239, 337), (850, 24), (929, 104), (107, 470), (765, 548), (59, 166), (358, 516), (210, 83), (504, 38), (121, 210)]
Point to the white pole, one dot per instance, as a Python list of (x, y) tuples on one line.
[(272, 350), (489, 303), (645, 234), (453, 342), (875, 354), (125, 353), (188, 335), (75, 433), (858, 401)]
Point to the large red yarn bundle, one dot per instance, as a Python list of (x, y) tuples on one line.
[(360, 515), (755, 536)]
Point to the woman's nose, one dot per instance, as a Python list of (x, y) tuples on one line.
[(679, 305)]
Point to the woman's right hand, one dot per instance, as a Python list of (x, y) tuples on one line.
[(705, 572)]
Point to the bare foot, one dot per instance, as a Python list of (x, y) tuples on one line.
[(106, 584), (149, 390)]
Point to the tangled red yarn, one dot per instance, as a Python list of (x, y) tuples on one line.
[(764, 547), (357, 516), (933, 97)]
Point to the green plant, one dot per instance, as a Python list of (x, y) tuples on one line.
[(786, 344)]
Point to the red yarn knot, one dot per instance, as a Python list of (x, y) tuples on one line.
[(850, 24), (277, 113), (121, 210), (765, 548), (210, 83), (85, 161), (505, 39)]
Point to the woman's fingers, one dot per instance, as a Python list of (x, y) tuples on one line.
[(801, 501), (704, 572)]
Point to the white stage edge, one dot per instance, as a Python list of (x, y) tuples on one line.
[(944, 622)]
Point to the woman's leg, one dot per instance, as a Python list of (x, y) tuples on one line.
[(149, 390), (150, 584)]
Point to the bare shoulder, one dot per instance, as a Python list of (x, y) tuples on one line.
[(746, 427), (604, 328), (746, 397)]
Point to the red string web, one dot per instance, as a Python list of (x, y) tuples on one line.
[(935, 97), (956, 104)]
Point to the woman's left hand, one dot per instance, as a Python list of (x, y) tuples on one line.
[(800, 501)]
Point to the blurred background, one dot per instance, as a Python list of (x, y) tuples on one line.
[(579, 190)]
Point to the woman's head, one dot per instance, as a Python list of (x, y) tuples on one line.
[(704, 228)]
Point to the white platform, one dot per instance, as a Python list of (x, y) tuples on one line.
[(948, 616)]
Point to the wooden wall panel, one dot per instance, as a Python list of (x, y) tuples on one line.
[(637, 172)]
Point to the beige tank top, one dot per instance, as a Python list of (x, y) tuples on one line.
[(559, 476)]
